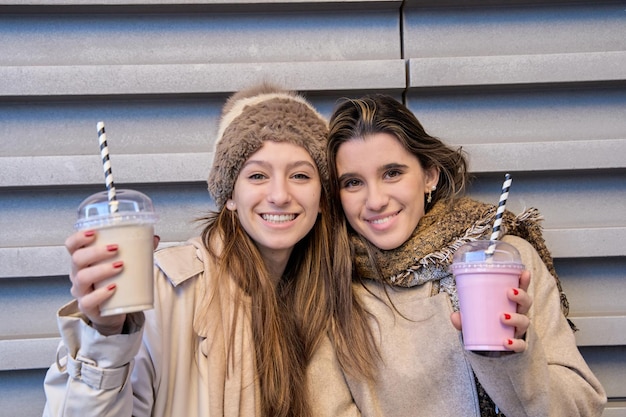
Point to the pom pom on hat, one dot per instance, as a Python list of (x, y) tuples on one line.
[(253, 116)]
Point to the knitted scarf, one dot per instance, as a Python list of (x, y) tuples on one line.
[(427, 254)]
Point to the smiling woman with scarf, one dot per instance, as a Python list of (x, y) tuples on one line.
[(400, 191)]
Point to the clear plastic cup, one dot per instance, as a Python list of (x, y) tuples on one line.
[(484, 273), (132, 229)]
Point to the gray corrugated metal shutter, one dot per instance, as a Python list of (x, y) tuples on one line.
[(534, 88)]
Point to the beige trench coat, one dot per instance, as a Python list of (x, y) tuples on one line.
[(163, 367)]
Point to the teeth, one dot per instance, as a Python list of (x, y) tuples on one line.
[(278, 218), (380, 221)]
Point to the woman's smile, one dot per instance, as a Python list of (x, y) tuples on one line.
[(278, 218), (382, 220)]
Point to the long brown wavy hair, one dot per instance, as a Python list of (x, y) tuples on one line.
[(357, 119), (288, 321)]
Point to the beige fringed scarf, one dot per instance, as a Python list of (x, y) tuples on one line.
[(426, 255)]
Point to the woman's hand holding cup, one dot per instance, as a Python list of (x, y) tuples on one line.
[(89, 267), (519, 320)]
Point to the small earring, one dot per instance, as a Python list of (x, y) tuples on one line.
[(230, 204), (430, 194)]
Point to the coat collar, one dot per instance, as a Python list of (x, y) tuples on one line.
[(168, 260)]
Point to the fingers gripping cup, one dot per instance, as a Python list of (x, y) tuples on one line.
[(131, 227), (485, 271)]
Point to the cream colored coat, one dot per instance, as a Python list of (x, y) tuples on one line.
[(426, 372), (162, 368)]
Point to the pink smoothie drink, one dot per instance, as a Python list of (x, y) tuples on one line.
[(483, 280), (131, 227)]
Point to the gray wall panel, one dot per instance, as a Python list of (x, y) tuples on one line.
[(21, 394), (525, 114), (500, 29), (530, 87), (29, 306), (177, 205), (565, 199), (182, 38), (602, 295), (61, 127)]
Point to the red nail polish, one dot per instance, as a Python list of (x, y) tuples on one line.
[(112, 248), (515, 291), (507, 316), (509, 341), (111, 287), (89, 233), (118, 264)]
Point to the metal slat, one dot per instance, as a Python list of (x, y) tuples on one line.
[(128, 80), (517, 69), (30, 353)]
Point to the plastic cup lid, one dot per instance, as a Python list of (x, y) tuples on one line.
[(484, 252), (133, 207)]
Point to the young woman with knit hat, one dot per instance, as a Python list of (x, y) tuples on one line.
[(400, 191), (240, 311)]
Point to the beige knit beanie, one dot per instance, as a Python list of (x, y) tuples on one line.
[(255, 115)]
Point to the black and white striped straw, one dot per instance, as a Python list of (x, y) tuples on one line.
[(106, 165), (495, 234)]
